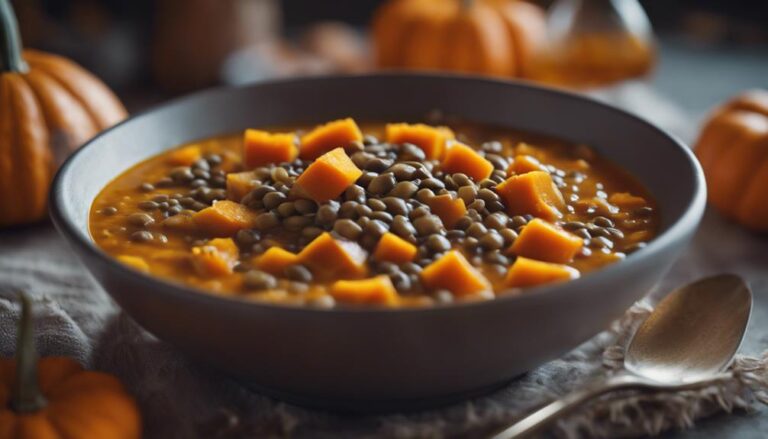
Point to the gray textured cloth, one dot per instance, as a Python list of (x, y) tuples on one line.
[(180, 399)]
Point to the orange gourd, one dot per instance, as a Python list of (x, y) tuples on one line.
[(339, 133), (448, 208), (328, 176), (215, 258), (392, 248), (49, 106), (733, 151), (275, 260), (55, 398), (334, 259), (494, 37), (462, 158), (532, 193), (225, 218), (261, 148), (546, 242), (376, 290), (528, 273), (239, 184), (185, 156), (523, 163), (454, 273)]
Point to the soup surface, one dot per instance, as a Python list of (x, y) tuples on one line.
[(377, 215)]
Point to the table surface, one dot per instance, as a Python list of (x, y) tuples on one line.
[(697, 78)]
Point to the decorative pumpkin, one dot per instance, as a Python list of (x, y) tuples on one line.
[(49, 106), (56, 398), (733, 150), (494, 37)]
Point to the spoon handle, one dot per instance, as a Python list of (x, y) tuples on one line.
[(543, 416)]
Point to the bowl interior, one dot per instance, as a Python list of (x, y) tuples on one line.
[(644, 150), (665, 166)]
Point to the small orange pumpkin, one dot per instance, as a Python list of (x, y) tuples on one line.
[(733, 150), (493, 37), (49, 106), (55, 398)]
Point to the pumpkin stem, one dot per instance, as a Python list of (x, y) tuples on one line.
[(466, 4), (26, 397), (10, 41)]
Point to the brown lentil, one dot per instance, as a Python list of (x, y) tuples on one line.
[(259, 280)]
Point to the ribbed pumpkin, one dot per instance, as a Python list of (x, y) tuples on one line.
[(55, 398), (49, 106), (733, 150), (493, 37)]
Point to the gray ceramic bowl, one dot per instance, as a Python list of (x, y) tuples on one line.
[(376, 358)]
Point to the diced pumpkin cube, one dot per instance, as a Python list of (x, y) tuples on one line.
[(454, 273), (184, 156), (339, 133), (373, 291), (328, 176), (523, 148), (432, 140), (135, 262), (545, 242), (626, 200), (183, 221), (216, 258), (523, 164), (263, 148), (225, 218), (393, 248), (526, 272), (532, 193), (239, 184), (462, 158), (329, 258), (449, 209), (275, 260)]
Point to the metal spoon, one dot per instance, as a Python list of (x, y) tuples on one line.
[(689, 338)]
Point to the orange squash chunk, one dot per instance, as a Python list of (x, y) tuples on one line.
[(432, 140), (376, 290), (262, 148), (224, 218), (627, 200), (275, 260), (339, 133), (462, 158), (395, 249), (532, 193), (135, 262), (449, 209), (184, 156), (454, 273), (523, 164), (329, 258), (216, 258), (239, 184), (528, 272), (545, 242), (328, 176)]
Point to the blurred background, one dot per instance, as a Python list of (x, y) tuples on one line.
[(700, 52)]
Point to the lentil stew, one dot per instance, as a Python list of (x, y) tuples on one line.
[(376, 214)]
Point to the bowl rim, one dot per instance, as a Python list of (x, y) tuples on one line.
[(69, 229)]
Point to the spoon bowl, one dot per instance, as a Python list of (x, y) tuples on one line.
[(693, 333)]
